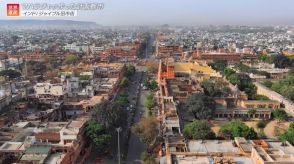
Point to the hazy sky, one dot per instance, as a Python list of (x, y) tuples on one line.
[(180, 12)]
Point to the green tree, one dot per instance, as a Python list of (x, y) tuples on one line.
[(97, 134), (280, 61), (109, 115), (201, 106), (124, 82), (279, 114), (146, 83), (261, 124), (288, 91), (237, 129), (71, 59), (130, 70), (263, 58), (121, 99), (147, 158), (219, 65), (150, 102), (244, 83), (277, 87), (146, 129), (234, 79), (289, 134), (215, 88), (268, 83), (153, 85), (228, 72), (261, 97), (198, 129)]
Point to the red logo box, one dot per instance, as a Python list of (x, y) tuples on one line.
[(12, 10)]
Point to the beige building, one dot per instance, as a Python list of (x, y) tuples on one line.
[(271, 104), (49, 89), (239, 150)]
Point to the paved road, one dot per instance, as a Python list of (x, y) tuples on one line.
[(136, 147)]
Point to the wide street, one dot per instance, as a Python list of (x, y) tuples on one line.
[(136, 147)]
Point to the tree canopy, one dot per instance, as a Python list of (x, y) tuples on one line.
[(285, 87), (279, 114), (148, 158), (198, 129), (289, 134), (130, 70), (97, 133), (237, 129), (228, 72), (219, 65), (200, 105), (109, 115), (124, 81), (150, 102), (146, 129), (244, 83), (152, 85), (215, 88), (280, 61), (268, 83)]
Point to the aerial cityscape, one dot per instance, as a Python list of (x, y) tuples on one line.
[(151, 90)]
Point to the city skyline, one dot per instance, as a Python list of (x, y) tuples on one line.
[(174, 12)]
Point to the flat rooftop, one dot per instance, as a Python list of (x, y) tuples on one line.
[(211, 146), (289, 149), (208, 160), (12, 146)]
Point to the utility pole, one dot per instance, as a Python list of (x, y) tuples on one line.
[(118, 145)]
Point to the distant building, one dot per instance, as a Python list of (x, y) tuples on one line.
[(217, 55)]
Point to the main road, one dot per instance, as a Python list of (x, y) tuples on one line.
[(136, 147)]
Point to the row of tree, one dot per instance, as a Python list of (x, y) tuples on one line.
[(109, 115), (284, 86), (150, 103), (201, 129), (150, 84)]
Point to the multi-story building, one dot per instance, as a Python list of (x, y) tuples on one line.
[(234, 151), (51, 142), (217, 55), (48, 92)]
